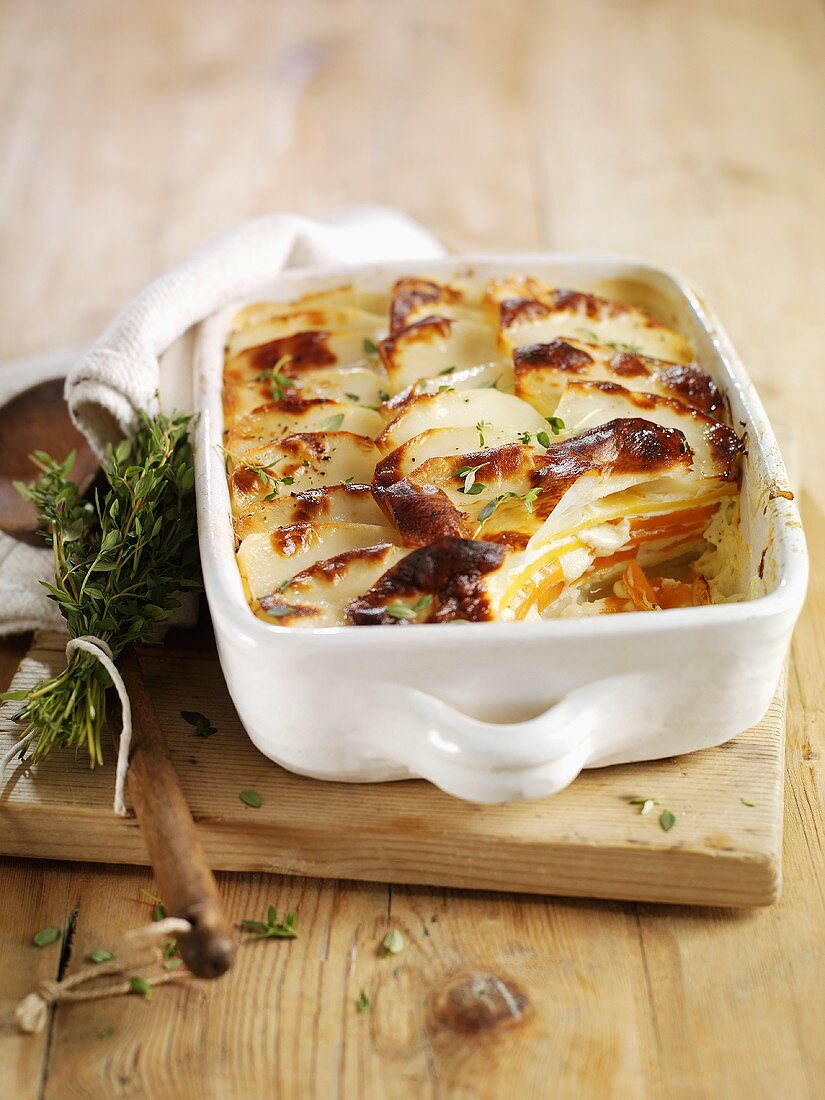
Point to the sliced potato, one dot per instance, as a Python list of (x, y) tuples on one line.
[(414, 299), (359, 385), (437, 347), (543, 370), (318, 595), (268, 558), (272, 422), (716, 448), (573, 315), (485, 410), (286, 321), (313, 460), (335, 504), (497, 375)]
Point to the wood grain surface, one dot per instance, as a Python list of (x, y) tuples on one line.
[(586, 841), (689, 134)]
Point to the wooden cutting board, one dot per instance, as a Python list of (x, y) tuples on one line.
[(587, 841)]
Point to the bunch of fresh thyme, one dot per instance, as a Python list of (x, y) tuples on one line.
[(118, 559)]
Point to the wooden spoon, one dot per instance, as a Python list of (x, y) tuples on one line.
[(38, 419)]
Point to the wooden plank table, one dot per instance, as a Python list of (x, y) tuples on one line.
[(689, 134)]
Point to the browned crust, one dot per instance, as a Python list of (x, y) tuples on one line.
[(409, 294), (450, 570), (695, 387), (627, 365), (421, 513), (591, 305), (313, 505), (622, 446), (300, 351), (286, 612), (557, 355), (521, 310), (330, 569), (293, 539), (727, 450)]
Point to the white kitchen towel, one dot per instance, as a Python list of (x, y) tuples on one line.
[(121, 374)]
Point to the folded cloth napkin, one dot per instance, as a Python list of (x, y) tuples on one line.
[(121, 374)]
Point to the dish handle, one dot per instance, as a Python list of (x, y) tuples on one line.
[(502, 762)]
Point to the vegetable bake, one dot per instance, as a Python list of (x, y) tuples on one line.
[(459, 452)]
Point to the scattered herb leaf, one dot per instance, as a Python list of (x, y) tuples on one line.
[(272, 928), (370, 347), (251, 798), (667, 820), (281, 385), (400, 611), (172, 964), (279, 611), (556, 424), (543, 439), (470, 487), (481, 426), (363, 1002), (46, 936), (141, 986), (394, 942), (203, 727), (524, 437), (447, 370), (100, 956), (333, 423), (747, 802)]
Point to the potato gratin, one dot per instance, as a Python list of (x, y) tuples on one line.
[(453, 452)]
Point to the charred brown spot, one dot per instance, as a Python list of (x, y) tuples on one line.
[(293, 538), (422, 513), (305, 444), (282, 611), (301, 351), (245, 480), (450, 570), (627, 365), (519, 311), (332, 568), (409, 294), (726, 449), (558, 355), (693, 386), (590, 305), (476, 1001), (313, 504)]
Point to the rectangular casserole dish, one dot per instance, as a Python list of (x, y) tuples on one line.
[(506, 711)]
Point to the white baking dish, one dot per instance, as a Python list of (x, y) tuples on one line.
[(505, 711)]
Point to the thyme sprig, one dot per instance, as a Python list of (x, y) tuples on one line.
[(118, 559)]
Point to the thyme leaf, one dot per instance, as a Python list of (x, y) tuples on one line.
[(119, 558)]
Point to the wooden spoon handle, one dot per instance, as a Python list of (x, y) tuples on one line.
[(186, 883)]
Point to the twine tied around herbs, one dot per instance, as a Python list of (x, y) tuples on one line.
[(99, 649), (32, 1012)]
